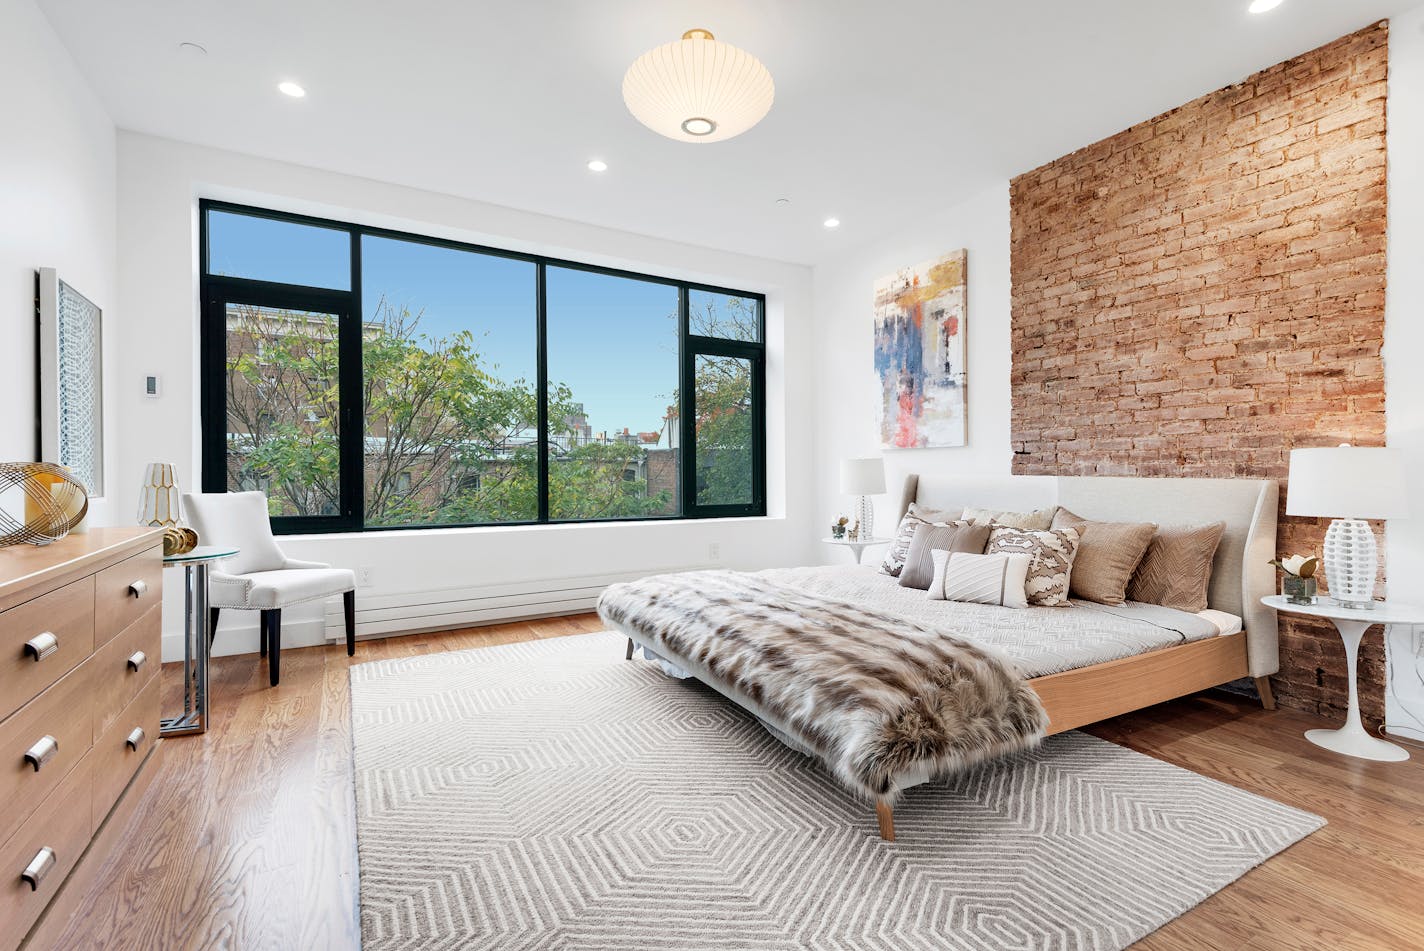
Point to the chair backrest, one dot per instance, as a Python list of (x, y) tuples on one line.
[(239, 519)]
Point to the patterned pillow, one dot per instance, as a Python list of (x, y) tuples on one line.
[(1037, 521), (980, 579), (1176, 571), (905, 534), (1050, 560), (961, 536), (1108, 554)]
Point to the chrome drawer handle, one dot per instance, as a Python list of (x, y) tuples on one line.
[(136, 660), (137, 588), (38, 868), (42, 752), (42, 645), (136, 738)]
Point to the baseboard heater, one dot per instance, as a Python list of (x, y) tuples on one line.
[(440, 609)]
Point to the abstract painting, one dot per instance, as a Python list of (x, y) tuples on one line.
[(920, 317)]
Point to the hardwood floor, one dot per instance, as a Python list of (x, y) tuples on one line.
[(247, 837)]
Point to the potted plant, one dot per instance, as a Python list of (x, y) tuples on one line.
[(1298, 585)]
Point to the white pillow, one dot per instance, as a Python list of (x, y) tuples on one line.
[(980, 579)]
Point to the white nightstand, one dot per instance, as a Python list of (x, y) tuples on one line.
[(1353, 739), (858, 546)]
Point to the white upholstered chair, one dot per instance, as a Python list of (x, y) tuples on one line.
[(260, 577)]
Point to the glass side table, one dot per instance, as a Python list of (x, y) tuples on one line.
[(197, 639)]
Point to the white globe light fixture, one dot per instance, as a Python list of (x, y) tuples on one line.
[(698, 89)]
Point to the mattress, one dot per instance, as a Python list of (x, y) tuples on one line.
[(1040, 641)]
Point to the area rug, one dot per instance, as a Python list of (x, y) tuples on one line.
[(551, 794)]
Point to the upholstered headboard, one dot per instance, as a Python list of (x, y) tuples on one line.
[(1241, 574)]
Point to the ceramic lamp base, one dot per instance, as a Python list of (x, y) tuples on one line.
[(1351, 562)]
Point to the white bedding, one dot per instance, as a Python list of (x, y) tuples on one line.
[(1040, 641)]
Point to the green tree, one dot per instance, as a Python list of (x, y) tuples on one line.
[(446, 440)]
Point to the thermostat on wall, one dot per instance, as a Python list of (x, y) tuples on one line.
[(152, 385)]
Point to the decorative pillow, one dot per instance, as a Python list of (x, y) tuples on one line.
[(980, 579), (1050, 560), (958, 536), (1176, 571), (1108, 553), (900, 545), (1036, 521)]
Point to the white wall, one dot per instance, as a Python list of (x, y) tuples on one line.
[(848, 392), (159, 184), (56, 208), (1403, 349)]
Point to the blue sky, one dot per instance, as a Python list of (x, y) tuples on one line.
[(612, 340)]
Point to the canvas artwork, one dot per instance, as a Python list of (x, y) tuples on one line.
[(920, 317), (71, 380)]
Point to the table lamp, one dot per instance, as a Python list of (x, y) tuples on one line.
[(1349, 484), (863, 478)]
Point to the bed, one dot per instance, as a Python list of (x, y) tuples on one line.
[(1078, 665)]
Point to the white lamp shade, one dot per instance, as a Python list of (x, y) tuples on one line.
[(863, 476), (698, 84), (1347, 482)]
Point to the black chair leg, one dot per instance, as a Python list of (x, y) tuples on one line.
[(272, 626), (262, 637), (348, 602), (212, 625)]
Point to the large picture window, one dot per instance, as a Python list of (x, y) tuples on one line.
[(369, 379)]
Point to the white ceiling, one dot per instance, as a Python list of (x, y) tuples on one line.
[(883, 109)]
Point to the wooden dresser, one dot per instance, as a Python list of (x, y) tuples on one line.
[(80, 649)]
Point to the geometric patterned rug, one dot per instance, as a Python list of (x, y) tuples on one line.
[(550, 794)]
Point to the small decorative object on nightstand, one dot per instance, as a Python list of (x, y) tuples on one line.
[(1349, 484), (863, 478), (158, 497), (838, 527), (1298, 582), (1353, 739), (856, 545)]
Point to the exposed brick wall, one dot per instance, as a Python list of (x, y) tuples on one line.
[(1201, 293)]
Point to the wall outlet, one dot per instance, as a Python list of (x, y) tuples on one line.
[(363, 577), (714, 551)]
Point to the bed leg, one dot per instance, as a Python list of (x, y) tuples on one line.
[(885, 815), (1263, 687), (628, 654)]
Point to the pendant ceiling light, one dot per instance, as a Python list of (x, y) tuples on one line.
[(697, 89)]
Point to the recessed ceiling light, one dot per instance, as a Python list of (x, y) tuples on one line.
[(291, 89), (832, 222), (1261, 6), (192, 49), (783, 201), (597, 165)]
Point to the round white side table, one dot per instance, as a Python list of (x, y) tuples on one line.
[(1353, 739), (857, 546)]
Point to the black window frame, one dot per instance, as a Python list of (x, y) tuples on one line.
[(217, 291)]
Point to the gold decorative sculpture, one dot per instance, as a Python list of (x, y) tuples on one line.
[(55, 502), (179, 540)]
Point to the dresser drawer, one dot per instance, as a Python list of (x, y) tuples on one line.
[(124, 592), (62, 825), (120, 751), (57, 727), (123, 666), (42, 640)]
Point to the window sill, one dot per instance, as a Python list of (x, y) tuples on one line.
[(495, 530)]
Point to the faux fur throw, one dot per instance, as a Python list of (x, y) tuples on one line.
[(876, 698)]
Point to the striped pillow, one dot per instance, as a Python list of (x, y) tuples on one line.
[(900, 547), (980, 579)]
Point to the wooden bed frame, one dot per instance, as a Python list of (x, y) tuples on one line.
[(1241, 576)]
